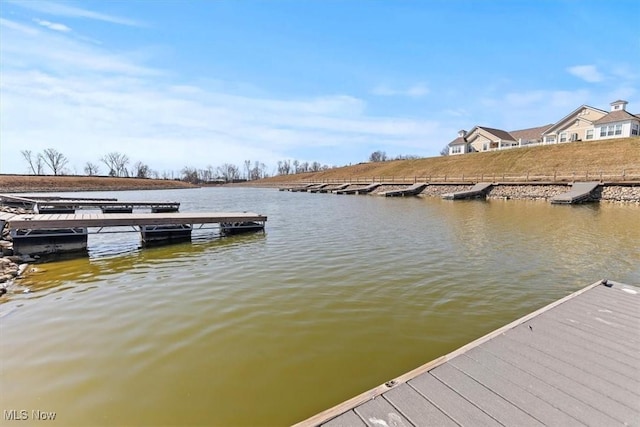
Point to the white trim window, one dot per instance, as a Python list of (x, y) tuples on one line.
[(589, 134), (550, 139), (611, 130), (563, 137), (618, 130), (635, 129), (456, 149)]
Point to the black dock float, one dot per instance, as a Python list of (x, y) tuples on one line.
[(477, 191), (580, 192)]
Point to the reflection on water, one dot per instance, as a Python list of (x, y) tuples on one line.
[(340, 294)]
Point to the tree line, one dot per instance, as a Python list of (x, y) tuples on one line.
[(118, 164)]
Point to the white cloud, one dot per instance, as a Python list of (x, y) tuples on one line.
[(58, 9), (52, 25), (588, 73), (61, 92), (416, 91)]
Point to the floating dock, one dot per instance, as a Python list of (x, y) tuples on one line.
[(58, 233), (478, 190), (572, 363), (580, 192), (110, 206), (409, 191)]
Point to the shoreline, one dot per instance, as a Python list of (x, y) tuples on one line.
[(69, 183)]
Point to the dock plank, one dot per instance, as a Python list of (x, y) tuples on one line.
[(450, 402), (488, 401), (348, 419), (520, 376), (591, 378), (538, 408), (614, 410), (378, 412), (416, 408)]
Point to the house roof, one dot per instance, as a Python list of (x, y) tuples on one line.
[(616, 116), (531, 133), (501, 134), (458, 141), (573, 113)]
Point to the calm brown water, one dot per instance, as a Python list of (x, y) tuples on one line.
[(341, 293)]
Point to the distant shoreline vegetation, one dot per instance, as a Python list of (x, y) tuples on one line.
[(579, 160)]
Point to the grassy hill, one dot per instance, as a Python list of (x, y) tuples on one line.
[(609, 157)]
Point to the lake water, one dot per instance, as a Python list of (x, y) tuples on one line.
[(340, 294)]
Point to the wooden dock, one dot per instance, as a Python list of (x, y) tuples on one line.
[(574, 362), (478, 190), (101, 220), (61, 205), (580, 192)]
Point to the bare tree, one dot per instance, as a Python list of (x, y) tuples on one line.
[(190, 174), (284, 167), (258, 171), (141, 170), (55, 160), (229, 172), (247, 168), (444, 151), (116, 163), (91, 169), (34, 161), (378, 156)]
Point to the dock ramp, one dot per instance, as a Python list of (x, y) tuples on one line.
[(317, 188), (478, 190), (580, 192), (336, 189), (360, 190), (409, 191)]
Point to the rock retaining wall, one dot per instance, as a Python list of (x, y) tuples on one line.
[(526, 192)]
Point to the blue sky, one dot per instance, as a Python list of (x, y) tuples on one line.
[(199, 83)]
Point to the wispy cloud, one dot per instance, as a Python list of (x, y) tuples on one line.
[(588, 73), (61, 92), (59, 9), (52, 25), (416, 91)]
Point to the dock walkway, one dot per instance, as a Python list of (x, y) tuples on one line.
[(100, 220), (573, 362), (478, 190), (580, 191)]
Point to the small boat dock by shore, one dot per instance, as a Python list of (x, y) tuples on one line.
[(573, 362)]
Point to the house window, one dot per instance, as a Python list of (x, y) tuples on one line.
[(485, 146), (603, 131), (550, 139), (589, 134), (618, 130), (456, 149), (563, 137), (635, 129), (574, 137)]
